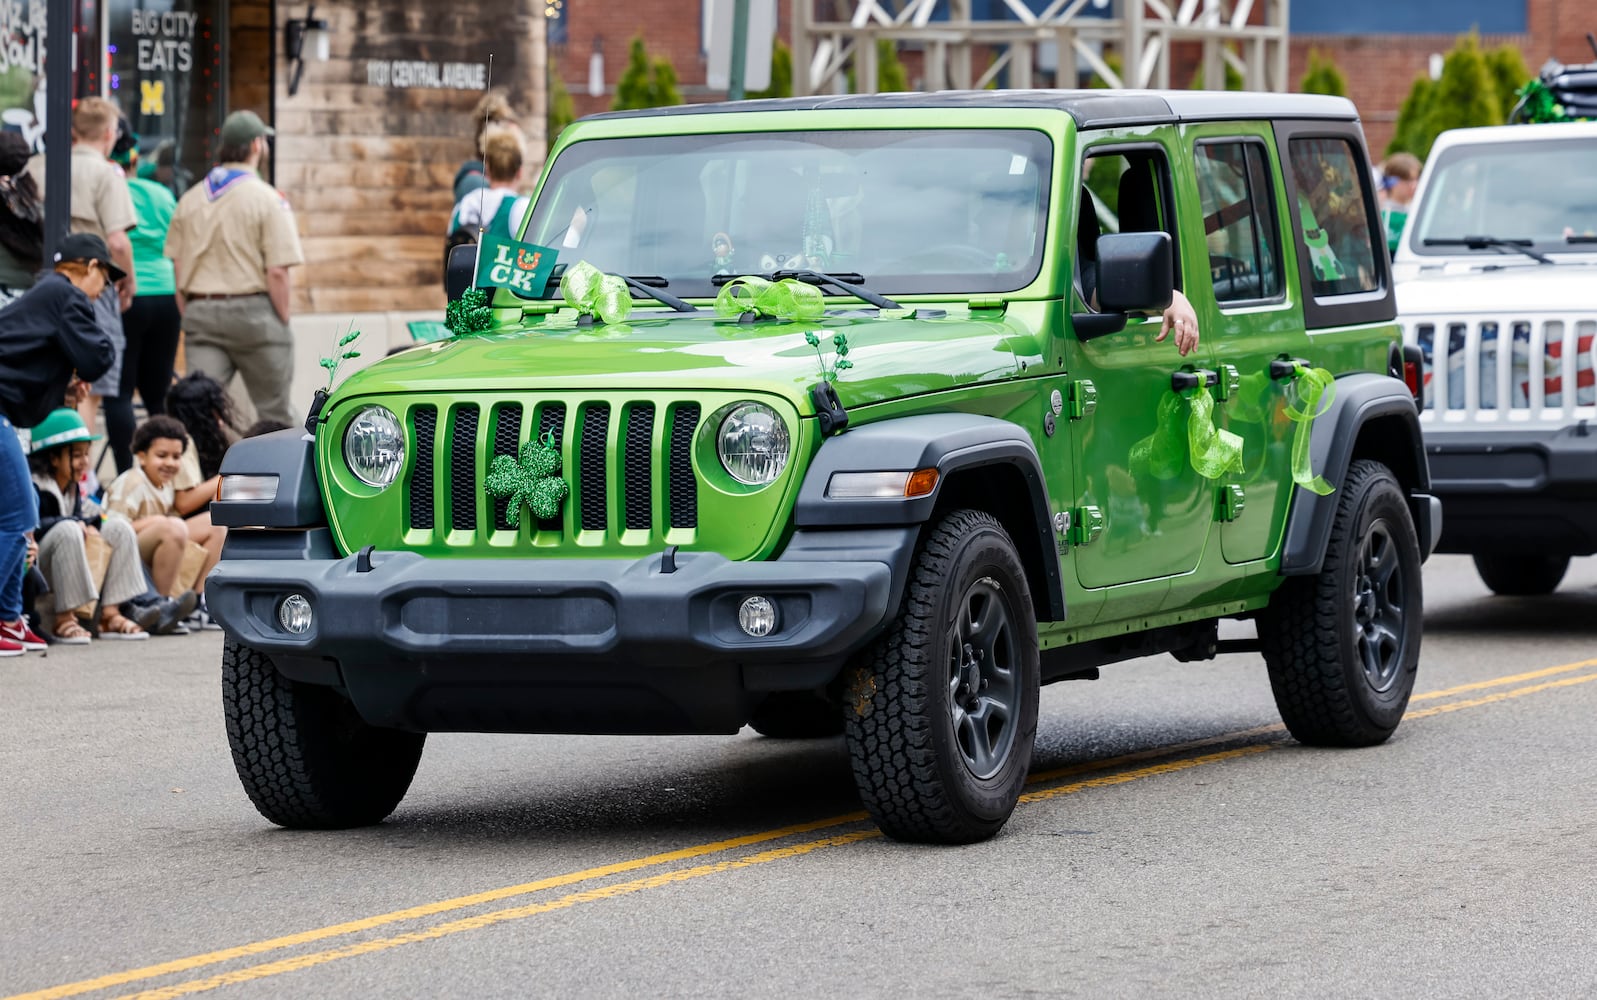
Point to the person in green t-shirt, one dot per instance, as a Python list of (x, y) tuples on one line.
[(152, 323)]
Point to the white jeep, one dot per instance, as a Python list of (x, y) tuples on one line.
[(1497, 286)]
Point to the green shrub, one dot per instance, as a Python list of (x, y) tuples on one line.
[(1322, 76), (645, 84)]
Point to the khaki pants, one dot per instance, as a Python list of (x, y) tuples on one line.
[(243, 335), (65, 563)]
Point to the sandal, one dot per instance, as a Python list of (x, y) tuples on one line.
[(114, 626), (67, 632)]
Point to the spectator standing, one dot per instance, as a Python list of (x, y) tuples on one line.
[(500, 207), (152, 324), (101, 206), (1400, 175), (49, 338), (492, 111), (21, 220), (232, 241)]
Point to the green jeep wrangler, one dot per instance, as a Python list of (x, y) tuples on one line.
[(853, 414)]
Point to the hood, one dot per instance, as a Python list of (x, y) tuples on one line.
[(891, 357), (1562, 287)]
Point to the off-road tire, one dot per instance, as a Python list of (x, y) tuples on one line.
[(1318, 630), (797, 715), (305, 758), (1510, 575), (907, 708)]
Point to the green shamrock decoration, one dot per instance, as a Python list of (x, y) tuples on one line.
[(840, 345), (469, 314), (340, 355), (533, 479)]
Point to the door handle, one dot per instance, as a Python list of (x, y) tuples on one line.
[(1186, 379), (1223, 381), (1282, 369)]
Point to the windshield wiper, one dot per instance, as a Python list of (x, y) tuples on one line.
[(847, 281), (1495, 243), (651, 285), (1580, 239)]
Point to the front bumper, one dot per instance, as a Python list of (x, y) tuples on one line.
[(559, 645), (1525, 491)]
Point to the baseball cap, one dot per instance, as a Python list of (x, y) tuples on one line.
[(244, 127), (62, 426), (87, 246)]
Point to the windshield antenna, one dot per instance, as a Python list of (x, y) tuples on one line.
[(482, 192)]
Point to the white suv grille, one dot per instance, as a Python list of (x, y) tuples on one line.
[(1479, 384)]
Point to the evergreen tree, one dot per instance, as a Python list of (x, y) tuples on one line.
[(781, 73), (891, 76), (1408, 133), (1322, 76), (562, 110), (644, 84), (1507, 69), (1464, 95)]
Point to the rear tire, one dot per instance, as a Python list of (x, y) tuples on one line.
[(941, 712), (1509, 575), (305, 758), (1342, 647), (797, 715)]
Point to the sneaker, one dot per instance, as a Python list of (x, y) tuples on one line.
[(201, 618), (19, 633), (9, 648), (145, 616), (172, 613)]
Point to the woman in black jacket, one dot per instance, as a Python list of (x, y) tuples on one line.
[(49, 340)]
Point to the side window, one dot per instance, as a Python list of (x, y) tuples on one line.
[(1239, 221), (1123, 191), (1334, 217)]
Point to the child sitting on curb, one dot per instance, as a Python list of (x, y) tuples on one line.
[(58, 457), (153, 495)]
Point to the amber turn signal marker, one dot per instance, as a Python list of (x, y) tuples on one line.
[(921, 483)]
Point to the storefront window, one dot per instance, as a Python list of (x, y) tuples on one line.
[(165, 72)]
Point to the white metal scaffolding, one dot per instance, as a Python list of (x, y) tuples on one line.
[(834, 38)]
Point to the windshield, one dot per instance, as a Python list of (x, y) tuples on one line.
[(1543, 192), (908, 211)]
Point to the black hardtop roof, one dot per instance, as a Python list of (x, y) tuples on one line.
[(1089, 108)]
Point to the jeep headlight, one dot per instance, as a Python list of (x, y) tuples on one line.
[(374, 446), (753, 444)]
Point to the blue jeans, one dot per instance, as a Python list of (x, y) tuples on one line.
[(19, 513)]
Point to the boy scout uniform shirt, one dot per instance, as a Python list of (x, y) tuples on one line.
[(228, 230), (101, 203)]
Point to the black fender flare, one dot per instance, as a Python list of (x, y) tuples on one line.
[(949, 442), (1360, 398), (290, 455)]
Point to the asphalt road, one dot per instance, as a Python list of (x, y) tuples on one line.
[(1173, 843)]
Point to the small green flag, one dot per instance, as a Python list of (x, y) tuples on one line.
[(524, 268)]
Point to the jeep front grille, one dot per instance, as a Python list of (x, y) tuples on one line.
[(1545, 374), (654, 492)]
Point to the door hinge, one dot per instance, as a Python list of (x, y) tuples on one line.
[(1083, 399), (1086, 524), (1227, 382), (1233, 500)]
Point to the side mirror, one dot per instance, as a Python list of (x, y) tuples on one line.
[(459, 268), (1136, 272)]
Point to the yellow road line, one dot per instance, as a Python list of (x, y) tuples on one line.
[(476, 899), (1454, 706)]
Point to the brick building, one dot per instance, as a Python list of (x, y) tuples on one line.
[(1379, 45)]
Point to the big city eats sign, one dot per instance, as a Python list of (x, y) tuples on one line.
[(165, 40)]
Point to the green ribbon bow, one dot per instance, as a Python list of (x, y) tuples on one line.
[(1214, 450), (1315, 389), (591, 292), (788, 299), (1162, 453), (532, 479)]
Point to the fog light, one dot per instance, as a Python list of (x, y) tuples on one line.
[(294, 614), (757, 616)]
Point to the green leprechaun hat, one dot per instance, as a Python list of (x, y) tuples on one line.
[(61, 427)]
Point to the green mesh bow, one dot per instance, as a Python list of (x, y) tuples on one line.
[(469, 314), (1315, 388), (591, 292), (1537, 105), (1162, 453), (532, 479), (1214, 450), (788, 299)]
